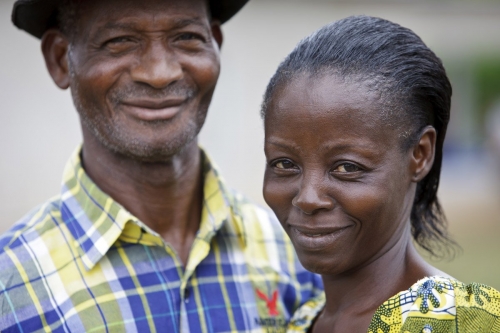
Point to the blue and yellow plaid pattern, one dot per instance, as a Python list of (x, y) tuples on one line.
[(83, 263)]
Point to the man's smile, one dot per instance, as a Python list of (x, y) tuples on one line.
[(153, 110)]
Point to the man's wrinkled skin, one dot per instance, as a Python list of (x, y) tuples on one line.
[(142, 75)]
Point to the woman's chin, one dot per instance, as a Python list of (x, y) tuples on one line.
[(318, 266)]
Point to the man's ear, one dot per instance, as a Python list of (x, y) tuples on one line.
[(55, 48), (217, 32), (423, 153)]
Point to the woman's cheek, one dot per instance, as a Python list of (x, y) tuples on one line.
[(363, 203), (279, 198)]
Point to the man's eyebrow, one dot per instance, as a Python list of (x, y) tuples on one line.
[(117, 26), (177, 24), (184, 22)]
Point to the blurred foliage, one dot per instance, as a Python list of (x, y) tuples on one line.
[(475, 227), (486, 85)]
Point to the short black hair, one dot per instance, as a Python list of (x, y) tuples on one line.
[(411, 81)]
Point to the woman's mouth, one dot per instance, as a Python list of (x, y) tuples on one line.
[(315, 240)]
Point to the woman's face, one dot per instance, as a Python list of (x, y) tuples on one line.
[(336, 176)]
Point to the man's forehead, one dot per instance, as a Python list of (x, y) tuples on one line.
[(96, 16), (195, 10), (36, 16)]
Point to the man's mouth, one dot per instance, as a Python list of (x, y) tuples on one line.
[(153, 110), (155, 103)]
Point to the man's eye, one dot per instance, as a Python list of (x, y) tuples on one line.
[(190, 36), (284, 164), (118, 40), (347, 167)]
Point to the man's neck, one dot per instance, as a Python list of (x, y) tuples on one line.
[(166, 196)]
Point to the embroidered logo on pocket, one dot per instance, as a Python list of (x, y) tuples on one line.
[(272, 302)]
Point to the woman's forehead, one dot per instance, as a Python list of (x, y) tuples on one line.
[(330, 109), (330, 94)]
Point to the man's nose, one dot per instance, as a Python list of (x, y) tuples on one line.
[(158, 66), (313, 195)]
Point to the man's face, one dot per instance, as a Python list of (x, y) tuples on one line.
[(142, 73)]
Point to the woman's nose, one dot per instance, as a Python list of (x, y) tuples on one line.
[(313, 196), (158, 66)]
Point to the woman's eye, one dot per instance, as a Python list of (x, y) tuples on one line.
[(284, 164), (347, 167)]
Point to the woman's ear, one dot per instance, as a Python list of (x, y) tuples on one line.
[(55, 48), (423, 154)]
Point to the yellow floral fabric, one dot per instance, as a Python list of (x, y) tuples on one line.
[(432, 305)]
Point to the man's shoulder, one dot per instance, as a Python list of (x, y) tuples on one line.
[(24, 249), (264, 239), (259, 221), (34, 220), (35, 227), (269, 249)]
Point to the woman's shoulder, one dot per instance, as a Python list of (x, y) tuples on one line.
[(434, 304), (478, 308), (439, 304)]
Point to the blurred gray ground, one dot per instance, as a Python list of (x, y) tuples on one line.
[(39, 127)]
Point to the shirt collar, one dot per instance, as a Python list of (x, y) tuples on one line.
[(96, 221)]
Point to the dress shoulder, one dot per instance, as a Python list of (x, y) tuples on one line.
[(440, 305), (431, 305), (478, 308)]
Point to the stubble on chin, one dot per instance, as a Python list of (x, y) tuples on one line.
[(113, 136), (116, 138)]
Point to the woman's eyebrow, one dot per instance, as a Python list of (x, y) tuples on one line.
[(283, 145), (364, 149)]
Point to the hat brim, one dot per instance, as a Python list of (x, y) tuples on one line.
[(36, 16)]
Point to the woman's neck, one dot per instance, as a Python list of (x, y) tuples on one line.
[(353, 297)]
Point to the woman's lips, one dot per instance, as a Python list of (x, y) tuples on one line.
[(151, 110), (316, 239)]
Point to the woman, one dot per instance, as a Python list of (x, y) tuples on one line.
[(355, 119)]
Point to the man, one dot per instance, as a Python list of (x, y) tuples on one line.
[(145, 235)]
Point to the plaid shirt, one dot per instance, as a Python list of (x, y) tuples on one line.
[(83, 263)]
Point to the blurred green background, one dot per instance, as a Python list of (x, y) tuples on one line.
[(470, 189)]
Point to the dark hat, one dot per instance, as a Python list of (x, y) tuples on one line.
[(36, 16)]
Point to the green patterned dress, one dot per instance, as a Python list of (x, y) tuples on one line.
[(433, 304)]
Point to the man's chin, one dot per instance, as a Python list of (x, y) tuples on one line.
[(145, 151), (155, 145), (152, 153)]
